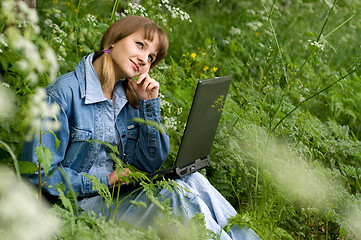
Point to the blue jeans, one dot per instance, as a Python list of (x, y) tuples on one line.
[(201, 197)]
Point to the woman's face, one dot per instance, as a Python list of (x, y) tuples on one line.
[(133, 55)]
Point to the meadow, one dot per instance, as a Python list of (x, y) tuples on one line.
[(287, 151)]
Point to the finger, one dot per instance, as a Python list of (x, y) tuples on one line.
[(145, 85), (152, 86), (142, 77)]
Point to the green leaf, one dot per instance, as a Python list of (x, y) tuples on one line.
[(57, 141), (154, 124), (44, 157), (27, 167), (139, 203), (113, 148), (66, 201), (101, 188)]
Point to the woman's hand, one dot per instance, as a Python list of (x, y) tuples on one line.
[(113, 177), (145, 87)]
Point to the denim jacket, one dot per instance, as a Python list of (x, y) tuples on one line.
[(83, 114)]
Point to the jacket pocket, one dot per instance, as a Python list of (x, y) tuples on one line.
[(78, 135), (78, 148)]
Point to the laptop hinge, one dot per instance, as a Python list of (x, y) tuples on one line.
[(198, 164)]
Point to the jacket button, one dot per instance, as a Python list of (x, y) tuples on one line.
[(150, 115), (123, 136)]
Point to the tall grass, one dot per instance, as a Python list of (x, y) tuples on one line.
[(286, 154)]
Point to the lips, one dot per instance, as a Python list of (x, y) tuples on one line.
[(135, 66)]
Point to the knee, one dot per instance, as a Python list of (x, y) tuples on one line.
[(196, 179)]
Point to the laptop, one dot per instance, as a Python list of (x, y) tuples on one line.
[(200, 130), (198, 136)]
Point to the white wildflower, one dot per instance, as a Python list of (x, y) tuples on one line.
[(60, 58), (8, 6), (179, 110), (166, 106), (317, 44), (48, 22), (170, 123), (36, 29), (254, 25), (3, 40), (43, 111), (135, 8), (23, 7), (22, 216), (39, 96), (6, 85), (91, 19), (50, 56), (32, 77), (7, 105), (23, 64), (30, 51), (66, 24), (33, 16), (235, 31), (252, 12)]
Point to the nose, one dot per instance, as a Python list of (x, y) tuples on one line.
[(143, 58)]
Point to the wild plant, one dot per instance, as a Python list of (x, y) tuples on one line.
[(27, 62)]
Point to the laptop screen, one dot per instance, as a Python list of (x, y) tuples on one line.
[(203, 119)]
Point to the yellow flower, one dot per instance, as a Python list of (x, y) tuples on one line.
[(75, 10), (71, 30), (55, 1), (257, 34), (215, 69), (81, 49), (205, 68), (68, 4), (193, 55)]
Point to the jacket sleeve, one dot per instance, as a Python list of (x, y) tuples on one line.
[(146, 147), (81, 185)]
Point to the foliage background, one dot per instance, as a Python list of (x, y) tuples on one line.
[(287, 151)]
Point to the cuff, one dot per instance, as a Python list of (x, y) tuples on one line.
[(150, 109)]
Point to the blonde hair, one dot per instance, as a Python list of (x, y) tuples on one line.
[(117, 31)]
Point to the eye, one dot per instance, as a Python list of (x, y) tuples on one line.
[(150, 58), (140, 45)]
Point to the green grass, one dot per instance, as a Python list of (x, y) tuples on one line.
[(287, 152)]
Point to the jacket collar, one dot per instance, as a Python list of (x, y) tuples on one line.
[(90, 87), (93, 89)]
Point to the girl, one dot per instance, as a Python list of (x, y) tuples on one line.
[(98, 101)]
